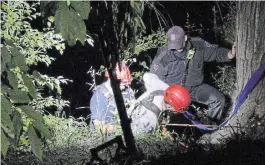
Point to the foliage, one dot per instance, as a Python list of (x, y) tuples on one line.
[(18, 93), (228, 29), (31, 42), (69, 19), (22, 123), (133, 23), (144, 43), (67, 132), (225, 79)]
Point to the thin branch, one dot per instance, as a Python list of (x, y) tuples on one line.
[(221, 15)]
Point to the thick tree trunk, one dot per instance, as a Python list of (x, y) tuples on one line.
[(250, 56)]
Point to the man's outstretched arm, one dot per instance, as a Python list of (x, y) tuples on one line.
[(213, 52)]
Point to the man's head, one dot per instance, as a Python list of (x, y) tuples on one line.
[(123, 74), (176, 38)]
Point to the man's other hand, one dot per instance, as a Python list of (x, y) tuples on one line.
[(232, 52)]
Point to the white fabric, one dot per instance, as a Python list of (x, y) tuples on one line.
[(152, 83), (144, 120)]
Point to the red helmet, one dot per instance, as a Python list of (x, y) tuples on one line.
[(124, 74), (178, 97)]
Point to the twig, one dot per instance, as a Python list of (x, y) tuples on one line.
[(219, 11)]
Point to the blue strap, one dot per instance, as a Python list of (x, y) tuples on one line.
[(252, 82)]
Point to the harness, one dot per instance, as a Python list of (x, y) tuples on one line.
[(148, 102), (163, 116), (190, 54)]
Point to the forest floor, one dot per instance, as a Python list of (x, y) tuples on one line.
[(154, 150)]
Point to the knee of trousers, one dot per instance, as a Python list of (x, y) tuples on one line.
[(218, 106), (153, 82), (148, 77)]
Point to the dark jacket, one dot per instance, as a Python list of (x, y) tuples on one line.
[(170, 65)]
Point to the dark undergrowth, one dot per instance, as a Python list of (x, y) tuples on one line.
[(245, 152), (239, 150)]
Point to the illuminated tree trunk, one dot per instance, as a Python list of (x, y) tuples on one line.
[(250, 37), (251, 55)]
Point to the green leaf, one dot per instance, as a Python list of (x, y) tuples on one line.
[(49, 24), (12, 79), (82, 8), (5, 58), (4, 89), (4, 143), (42, 129), (31, 87), (4, 6), (23, 140), (48, 8), (18, 59), (30, 112), (12, 142), (69, 25), (132, 3), (36, 74), (18, 124), (6, 122), (19, 96), (35, 142), (5, 105), (10, 43), (40, 43), (138, 7)]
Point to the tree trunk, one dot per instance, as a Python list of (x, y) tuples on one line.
[(250, 26), (251, 55)]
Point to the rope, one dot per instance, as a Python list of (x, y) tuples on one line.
[(206, 125)]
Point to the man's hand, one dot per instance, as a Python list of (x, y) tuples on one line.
[(232, 52)]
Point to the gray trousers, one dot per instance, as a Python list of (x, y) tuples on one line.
[(211, 97)]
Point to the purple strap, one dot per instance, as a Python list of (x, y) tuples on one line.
[(252, 82)]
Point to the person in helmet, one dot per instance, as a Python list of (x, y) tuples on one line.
[(104, 115), (178, 97), (159, 96), (181, 61)]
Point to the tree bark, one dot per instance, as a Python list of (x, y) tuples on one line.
[(251, 55), (250, 39)]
